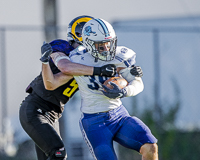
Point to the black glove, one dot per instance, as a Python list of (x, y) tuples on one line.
[(108, 70), (136, 71), (46, 50), (114, 93)]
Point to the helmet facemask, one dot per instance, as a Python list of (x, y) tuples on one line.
[(103, 50)]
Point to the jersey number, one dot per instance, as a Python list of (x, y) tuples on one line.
[(69, 91), (94, 81)]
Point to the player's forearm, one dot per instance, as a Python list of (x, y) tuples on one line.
[(48, 77), (135, 87), (70, 68), (67, 67)]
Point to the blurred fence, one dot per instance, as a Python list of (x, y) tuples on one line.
[(169, 57)]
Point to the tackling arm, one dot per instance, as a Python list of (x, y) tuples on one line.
[(50, 80), (67, 67), (53, 81)]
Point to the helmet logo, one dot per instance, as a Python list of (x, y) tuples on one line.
[(88, 30)]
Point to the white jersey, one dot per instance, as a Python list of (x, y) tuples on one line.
[(92, 98)]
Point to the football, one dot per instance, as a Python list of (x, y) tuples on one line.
[(121, 82)]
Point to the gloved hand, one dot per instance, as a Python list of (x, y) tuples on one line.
[(46, 50), (136, 71), (114, 93), (108, 70)]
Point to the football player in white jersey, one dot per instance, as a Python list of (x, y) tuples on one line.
[(104, 118)]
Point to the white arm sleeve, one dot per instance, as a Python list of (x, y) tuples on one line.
[(134, 87), (57, 56), (125, 73)]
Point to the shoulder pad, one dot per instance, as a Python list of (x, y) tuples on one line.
[(125, 55), (78, 51)]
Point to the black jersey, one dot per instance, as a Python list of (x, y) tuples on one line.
[(62, 94)]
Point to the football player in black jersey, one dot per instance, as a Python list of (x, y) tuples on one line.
[(40, 111)]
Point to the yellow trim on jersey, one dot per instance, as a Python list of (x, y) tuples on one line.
[(75, 24)]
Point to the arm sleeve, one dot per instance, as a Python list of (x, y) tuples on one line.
[(134, 87), (125, 73)]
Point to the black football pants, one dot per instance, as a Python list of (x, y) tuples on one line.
[(40, 126)]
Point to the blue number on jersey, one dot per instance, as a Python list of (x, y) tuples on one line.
[(94, 84)]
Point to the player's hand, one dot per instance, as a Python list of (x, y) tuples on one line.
[(114, 93), (136, 71), (108, 70), (46, 50)]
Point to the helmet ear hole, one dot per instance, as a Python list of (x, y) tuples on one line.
[(78, 34)]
